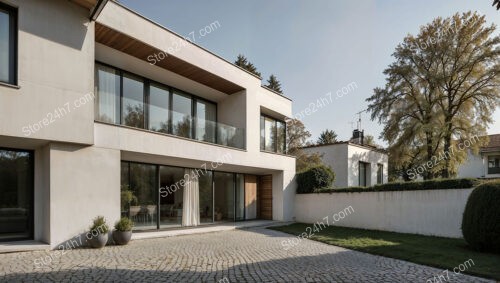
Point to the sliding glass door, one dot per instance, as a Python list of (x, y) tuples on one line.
[(206, 197), (240, 197), (158, 196), (171, 196), (140, 194), (223, 196), (16, 194)]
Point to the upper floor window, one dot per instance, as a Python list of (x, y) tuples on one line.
[(130, 100), (8, 44), (272, 134)]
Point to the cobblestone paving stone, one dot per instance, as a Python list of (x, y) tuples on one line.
[(252, 255)]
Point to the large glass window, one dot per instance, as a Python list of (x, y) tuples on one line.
[(8, 44), (206, 197), (133, 101), (159, 101), (206, 121), (223, 196), (140, 190), (107, 104), (127, 99), (240, 197), (272, 135), (281, 136), (16, 194), (171, 196), (181, 114), (494, 164)]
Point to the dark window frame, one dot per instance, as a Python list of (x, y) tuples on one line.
[(496, 168), (31, 216), (380, 177), (12, 12), (146, 98), (276, 146), (365, 165)]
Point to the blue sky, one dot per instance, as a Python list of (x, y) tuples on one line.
[(313, 47)]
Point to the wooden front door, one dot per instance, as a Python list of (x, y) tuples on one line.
[(250, 197), (265, 197)]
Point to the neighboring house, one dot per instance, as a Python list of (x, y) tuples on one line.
[(485, 164), (86, 116), (354, 163)]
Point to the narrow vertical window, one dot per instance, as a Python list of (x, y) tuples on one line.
[(133, 101), (8, 45), (107, 104), (380, 173)]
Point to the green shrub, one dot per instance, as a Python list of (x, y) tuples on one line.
[(124, 224), (438, 184), (481, 219), (99, 225), (315, 178)]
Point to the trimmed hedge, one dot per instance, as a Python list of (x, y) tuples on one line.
[(438, 184), (314, 179), (481, 220)]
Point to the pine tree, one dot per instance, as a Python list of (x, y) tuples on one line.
[(274, 84)]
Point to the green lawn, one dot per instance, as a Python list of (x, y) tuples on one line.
[(445, 253)]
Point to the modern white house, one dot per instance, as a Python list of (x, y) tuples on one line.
[(353, 162), (485, 164), (89, 126)]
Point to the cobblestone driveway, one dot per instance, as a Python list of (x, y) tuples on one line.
[(253, 255)]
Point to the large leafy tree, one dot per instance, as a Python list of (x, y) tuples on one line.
[(327, 137), (243, 62), (274, 84), (297, 136), (442, 87)]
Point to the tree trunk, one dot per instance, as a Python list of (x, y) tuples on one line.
[(447, 145)]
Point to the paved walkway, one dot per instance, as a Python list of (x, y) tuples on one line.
[(253, 255)]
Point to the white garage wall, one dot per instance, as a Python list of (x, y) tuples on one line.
[(429, 212)]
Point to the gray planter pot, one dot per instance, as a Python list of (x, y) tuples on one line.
[(122, 237), (99, 241)]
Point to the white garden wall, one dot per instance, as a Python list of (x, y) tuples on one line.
[(429, 212)]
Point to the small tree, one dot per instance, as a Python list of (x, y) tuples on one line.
[(242, 61), (274, 84), (327, 137)]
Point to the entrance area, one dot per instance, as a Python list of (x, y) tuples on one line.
[(159, 196), (16, 194)]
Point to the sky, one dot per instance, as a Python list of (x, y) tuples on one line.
[(315, 48)]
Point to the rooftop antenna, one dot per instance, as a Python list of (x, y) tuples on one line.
[(359, 119), (352, 124)]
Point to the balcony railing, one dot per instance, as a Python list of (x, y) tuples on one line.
[(187, 126)]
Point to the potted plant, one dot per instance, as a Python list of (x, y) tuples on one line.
[(123, 231), (97, 237)]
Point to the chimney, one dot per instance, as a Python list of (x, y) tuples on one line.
[(358, 136)]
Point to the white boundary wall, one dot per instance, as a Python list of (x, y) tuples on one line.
[(427, 212)]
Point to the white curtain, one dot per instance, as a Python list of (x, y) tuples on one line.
[(191, 206), (107, 95)]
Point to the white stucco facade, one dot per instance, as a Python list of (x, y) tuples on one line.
[(344, 158), (77, 160)]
